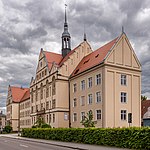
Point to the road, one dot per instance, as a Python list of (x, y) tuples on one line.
[(16, 144)]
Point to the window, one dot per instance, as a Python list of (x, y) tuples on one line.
[(123, 97), (98, 79), (98, 97), (90, 82), (47, 118), (74, 102), (98, 114), (65, 116), (123, 114), (82, 100), (53, 86), (53, 103), (74, 87), (90, 99), (50, 118), (53, 117), (83, 85), (47, 105), (123, 79), (47, 89), (41, 91), (74, 117), (82, 116)]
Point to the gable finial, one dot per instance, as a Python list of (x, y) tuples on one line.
[(84, 33), (122, 29)]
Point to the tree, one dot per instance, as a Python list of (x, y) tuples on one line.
[(8, 129), (40, 123), (88, 122), (143, 98)]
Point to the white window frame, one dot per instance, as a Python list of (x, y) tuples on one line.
[(123, 115), (81, 101), (96, 97), (74, 117), (98, 80), (82, 85), (90, 82), (82, 116), (123, 79), (74, 87), (123, 97), (100, 113), (90, 98), (74, 102)]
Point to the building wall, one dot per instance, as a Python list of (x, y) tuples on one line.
[(79, 93), (25, 119), (55, 105), (120, 61)]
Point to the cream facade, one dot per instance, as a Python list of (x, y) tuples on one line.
[(50, 88), (117, 93), (25, 119)]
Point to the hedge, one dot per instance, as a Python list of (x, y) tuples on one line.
[(133, 138)]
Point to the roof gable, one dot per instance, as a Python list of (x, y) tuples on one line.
[(26, 95), (17, 93), (94, 58)]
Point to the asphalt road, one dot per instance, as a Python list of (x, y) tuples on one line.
[(15, 144)]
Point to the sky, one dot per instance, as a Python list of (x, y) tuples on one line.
[(26, 26)]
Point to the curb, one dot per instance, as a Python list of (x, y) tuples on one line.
[(44, 142)]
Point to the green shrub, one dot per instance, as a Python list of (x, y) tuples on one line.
[(134, 138), (8, 129)]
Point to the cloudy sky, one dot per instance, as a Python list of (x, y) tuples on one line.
[(26, 26)]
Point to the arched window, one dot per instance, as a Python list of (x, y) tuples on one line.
[(53, 86)]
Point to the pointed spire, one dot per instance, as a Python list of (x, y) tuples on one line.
[(66, 39), (65, 14)]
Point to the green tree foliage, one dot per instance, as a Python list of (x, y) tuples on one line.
[(40, 123), (143, 98), (88, 122), (8, 129)]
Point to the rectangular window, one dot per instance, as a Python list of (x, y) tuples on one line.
[(123, 79), (74, 87), (47, 118), (47, 105), (82, 100), (90, 82), (98, 79), (90, 99), (53, 117), (74, 117), (98, 97), (82, 116), (74, 102), (83, 85), (53, 103), (65, 116), (123, 97), (50, 118), (123, 114), (98, 114)]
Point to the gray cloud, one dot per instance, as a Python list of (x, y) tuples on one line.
[(28, 25)]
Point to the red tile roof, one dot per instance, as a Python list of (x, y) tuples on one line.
[(144, 105), (17, 93), (52, 57), (94, 58), (26, 95)]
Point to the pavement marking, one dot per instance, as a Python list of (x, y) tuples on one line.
[(23, 145)]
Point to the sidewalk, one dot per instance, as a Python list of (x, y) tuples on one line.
[(63, 144)]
